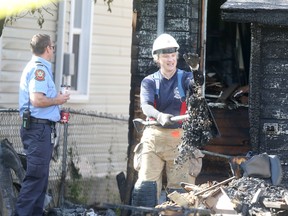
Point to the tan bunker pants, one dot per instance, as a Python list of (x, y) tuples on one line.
[(158, 147)]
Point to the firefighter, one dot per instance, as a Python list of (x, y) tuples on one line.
[(162, 96)]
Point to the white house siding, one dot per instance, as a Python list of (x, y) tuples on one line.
[(109, 92), (15, 52), (111, 59)]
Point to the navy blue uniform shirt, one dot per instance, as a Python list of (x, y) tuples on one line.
[(169, 99)]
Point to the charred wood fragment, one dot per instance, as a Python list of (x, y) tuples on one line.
[(198, 128)]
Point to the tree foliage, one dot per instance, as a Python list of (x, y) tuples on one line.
[(109, 2), (38, 13)]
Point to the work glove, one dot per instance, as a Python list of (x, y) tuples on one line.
[(164, 119), (192, 60)]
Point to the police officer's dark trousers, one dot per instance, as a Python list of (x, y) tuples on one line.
[(38, 148)]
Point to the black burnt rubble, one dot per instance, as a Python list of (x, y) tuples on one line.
[(197, 128), (201, 126), (246, 196), (243, 193)]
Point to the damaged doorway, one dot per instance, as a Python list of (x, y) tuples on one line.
[(227, 62)]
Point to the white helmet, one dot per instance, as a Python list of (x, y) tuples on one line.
[(164, 41)]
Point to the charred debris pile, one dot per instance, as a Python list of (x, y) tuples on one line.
[(245, 196), (201, 125)]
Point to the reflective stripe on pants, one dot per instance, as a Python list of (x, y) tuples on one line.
[(160, 149)]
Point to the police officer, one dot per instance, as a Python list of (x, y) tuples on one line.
[(39, 108), (163, 96)]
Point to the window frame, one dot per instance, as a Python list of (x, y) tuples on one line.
[(85, 44)]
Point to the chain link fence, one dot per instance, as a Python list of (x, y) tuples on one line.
[(90, 150)]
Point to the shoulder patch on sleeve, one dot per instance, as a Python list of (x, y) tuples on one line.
[(39, 75)]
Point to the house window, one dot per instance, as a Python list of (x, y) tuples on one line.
[(80, 44)]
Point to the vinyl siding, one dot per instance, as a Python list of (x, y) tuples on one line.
[(15, 52), (111, 57)]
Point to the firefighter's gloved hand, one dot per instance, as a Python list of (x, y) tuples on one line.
[(192, 60), (164, 119)]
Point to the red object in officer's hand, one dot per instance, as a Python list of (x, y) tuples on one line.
[(64, 116)]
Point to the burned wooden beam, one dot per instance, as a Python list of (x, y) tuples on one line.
[(215, 186)]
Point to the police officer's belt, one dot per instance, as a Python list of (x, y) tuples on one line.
[(41, 121)]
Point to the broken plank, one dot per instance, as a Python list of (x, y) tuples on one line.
[(190, 187), (275, 204), (178, 199), (257, 195), (227, 93), (215, 186)]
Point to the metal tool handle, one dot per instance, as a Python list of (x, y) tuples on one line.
[(140, 123), (216, 154), (173, 119)]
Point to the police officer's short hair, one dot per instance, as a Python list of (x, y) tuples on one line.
[(39, 42)]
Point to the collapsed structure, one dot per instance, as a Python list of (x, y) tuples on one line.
[(255, 195)]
